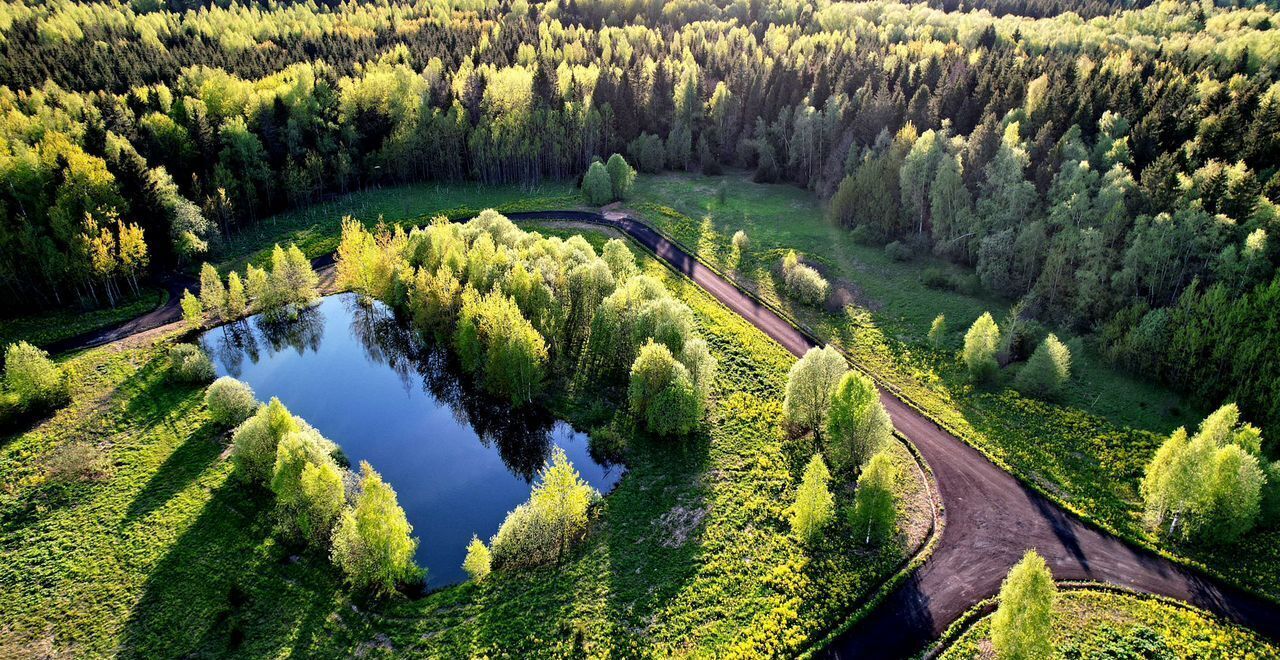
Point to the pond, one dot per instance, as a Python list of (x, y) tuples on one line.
[(458, 459)]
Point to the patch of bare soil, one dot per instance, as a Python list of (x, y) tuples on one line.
[(677, 525)]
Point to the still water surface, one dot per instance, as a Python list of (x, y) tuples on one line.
[(458, 459)]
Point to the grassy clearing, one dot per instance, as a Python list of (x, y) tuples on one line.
[(1093, 623), (46, 329), (163, 555), (1089, 449), (316, 229)]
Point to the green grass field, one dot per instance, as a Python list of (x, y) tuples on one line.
[(1088, 450), (46, 329), (1093, 623), (162, 554)]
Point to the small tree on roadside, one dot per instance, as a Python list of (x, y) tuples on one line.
[(621, 176), (814, 505), (192, 310), (478, 561), (980, 345), (1022, 626), (372, 543), (858, 425), (1047, 371), (596, 185), (810, 384), (938, 331), (875, 502)]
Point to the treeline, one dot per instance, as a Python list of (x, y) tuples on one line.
[(1075, 165)]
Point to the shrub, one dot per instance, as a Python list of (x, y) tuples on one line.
[(621, 176), (802, 282), (253, 446), (230, 401), (810, 383), (525, 539), (1047, 371), (188, 363), (814, 505), (1022, 626), (372, 543), (875, 504), (478, 561), (899, 251), (858, 426), (661, 392), (937, 278), (980, 345), (33, 378), (596, 185)]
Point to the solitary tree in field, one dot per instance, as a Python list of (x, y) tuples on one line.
[(621, 176), (980, 345), (858, 426), (938, 331), (1047, 371), (814, 505), (229, 401), (1022, 626), (810, 384), (1207, 488), (596, 185), (372, 543), (875, 503)]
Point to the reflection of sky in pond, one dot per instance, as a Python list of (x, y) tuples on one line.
[(459, 460)]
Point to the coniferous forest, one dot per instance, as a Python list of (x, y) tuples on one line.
[(1108, 169)]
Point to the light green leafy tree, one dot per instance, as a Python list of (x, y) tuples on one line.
[(237, 303), (1207, 488), (323, 497), (478, 561), (563, 499), (295, 451), (596, 185), (875, 502), (661, 392), (229, 401), (938, 331), (810, 384), (253, 446), (621, 176), (858, 425), (1022, 626), (373, 543), (814, 506), (980, 345), (192, 310), (213, 295), (1047, 371)]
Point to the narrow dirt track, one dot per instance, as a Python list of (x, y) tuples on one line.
[(991, 517)]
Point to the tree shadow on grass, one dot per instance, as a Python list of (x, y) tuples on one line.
[(226, 589)]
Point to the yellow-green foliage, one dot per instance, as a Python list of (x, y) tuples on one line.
[(980, 344), (1022, 626), (814, 506), (32, 376), (479, 560), (1093, 623), (372, 543)]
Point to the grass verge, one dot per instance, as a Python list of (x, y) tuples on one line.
[(53, 327)]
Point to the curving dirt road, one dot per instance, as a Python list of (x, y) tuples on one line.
[(991, 518)]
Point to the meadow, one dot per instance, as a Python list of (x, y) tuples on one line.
[(150, 548)]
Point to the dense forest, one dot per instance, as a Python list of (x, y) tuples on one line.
[(1118, 175)]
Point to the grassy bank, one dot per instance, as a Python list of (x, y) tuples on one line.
[(1101, 623), (50, 328), (1089, 449), (156, 552)]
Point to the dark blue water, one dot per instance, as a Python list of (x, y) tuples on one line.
[(458, 459)]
